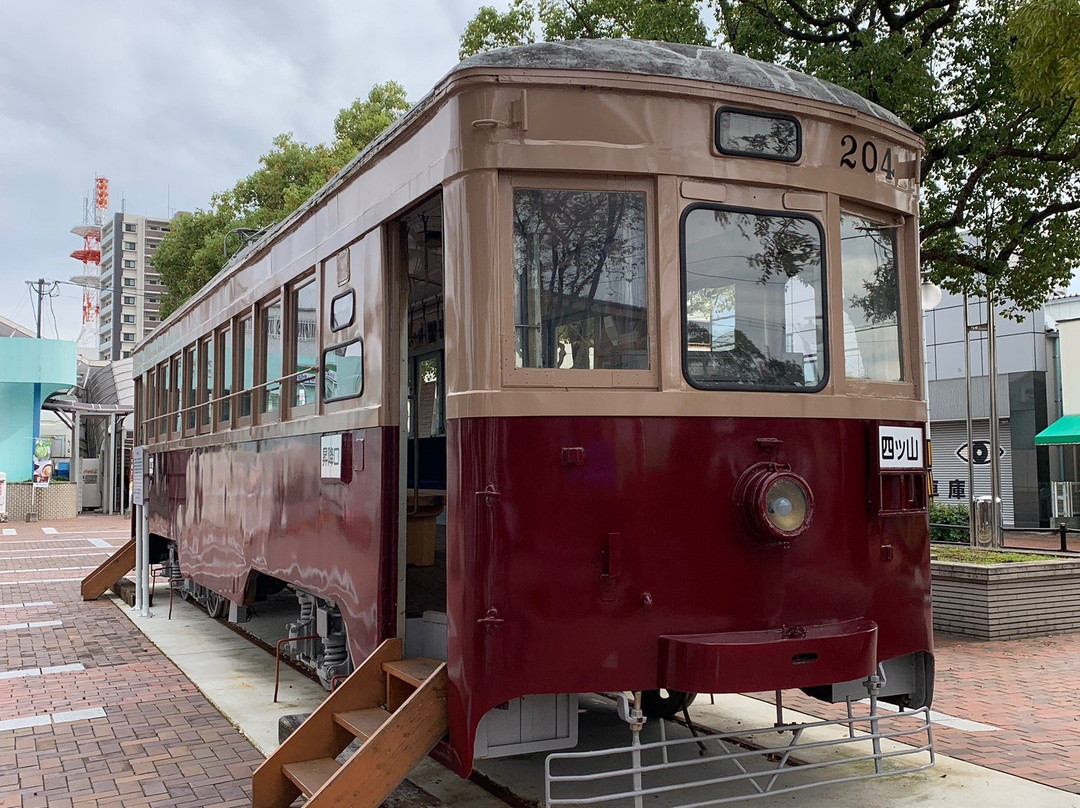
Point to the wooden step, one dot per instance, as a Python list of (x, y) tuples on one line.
[(309, 775), (109, 572), (413, 671), (362, 723)]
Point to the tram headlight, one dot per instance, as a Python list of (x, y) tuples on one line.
[(776, 503), (786, 505)]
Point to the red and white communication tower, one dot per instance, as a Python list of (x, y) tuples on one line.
[(90, 255)]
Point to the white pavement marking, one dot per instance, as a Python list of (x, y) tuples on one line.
[(37, 624), (75, 552), (45, 569), (27, 605), (100, 542), (22, 673), (946, 720), (52, 718), (49, 530), (10, 531), (43, 539), (40, 581)]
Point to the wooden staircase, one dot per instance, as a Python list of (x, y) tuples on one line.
[(395, 706), (109, 572)]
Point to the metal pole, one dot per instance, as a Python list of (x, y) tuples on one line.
[(995, 466), (138, 561), (76, 470), (967, 390), (146, 560)]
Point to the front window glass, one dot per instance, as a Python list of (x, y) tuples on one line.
[(580, 286), (754, 300), (871, 299)]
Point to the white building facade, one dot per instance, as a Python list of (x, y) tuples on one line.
[(131, 289)]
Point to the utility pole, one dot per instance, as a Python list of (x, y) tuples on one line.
[(39, 287)]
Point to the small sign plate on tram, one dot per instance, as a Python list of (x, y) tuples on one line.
[(331, 457), (900, 448)]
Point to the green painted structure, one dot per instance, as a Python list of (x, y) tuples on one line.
[(31, 370)]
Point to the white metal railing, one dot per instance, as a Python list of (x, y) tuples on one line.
[(712, 769)]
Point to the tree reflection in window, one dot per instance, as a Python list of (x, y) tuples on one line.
[(580, 287), (754, 300), (757, 134), (871, 299)]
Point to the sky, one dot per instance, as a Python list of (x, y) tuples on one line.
[(174, 102)]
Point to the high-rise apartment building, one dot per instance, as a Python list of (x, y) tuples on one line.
[(131, 289)]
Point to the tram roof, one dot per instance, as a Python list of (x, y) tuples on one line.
[(651, 58), (633, 56)]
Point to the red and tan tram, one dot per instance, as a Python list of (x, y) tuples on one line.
[(640, 324)]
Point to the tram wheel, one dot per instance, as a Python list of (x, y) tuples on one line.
[(665, 703), (215, 604)]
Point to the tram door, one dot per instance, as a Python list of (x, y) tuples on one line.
[(423, 432)]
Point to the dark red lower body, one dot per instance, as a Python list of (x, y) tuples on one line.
[(583, 554)]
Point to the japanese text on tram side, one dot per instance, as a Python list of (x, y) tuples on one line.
[(900, 447)]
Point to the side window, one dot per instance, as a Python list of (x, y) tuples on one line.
[(871, 299), (343, 310), (206, 354), (305, 347), (753, 299), (580, 279), (270, 347), (225, 349), (343, 371), (245, 360)]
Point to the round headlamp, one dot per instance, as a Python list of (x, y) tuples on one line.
[(775, 502)]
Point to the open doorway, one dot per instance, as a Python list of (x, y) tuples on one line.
[(424, 433)]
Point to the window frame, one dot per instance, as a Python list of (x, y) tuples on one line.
[(243, 394), (757, 113), (352, 319), (322, 370), (826, 302), (576, 378), (290, 316), (263, 383)]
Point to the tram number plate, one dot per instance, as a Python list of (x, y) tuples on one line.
[(868, 156), (900, 447)]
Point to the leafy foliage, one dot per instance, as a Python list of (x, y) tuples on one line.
[(196, 247), (949, 523), (991, 87)]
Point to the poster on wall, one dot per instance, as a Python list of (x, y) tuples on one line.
[(43, 467)]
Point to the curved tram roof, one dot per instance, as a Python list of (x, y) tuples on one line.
[(678, 61), (647, 58)]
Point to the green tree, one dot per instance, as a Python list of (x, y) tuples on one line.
[(196, 247), (1000, 190), (1046, 55)]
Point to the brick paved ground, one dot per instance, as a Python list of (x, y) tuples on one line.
[(1028, 689), (155, 741), (160, 743)]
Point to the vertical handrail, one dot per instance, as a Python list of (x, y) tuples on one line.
[(277, 658)]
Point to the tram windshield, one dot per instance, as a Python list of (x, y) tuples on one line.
[(871, 299), (754, 300), (580, 285)]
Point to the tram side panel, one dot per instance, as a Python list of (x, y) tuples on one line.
[(584, 541), (262, 505)]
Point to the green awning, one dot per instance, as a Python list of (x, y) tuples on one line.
[(1065, 429)]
